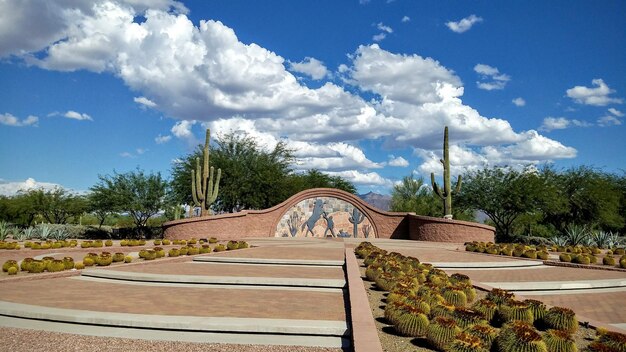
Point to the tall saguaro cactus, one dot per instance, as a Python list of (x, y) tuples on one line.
[(446, 193), (203, 188)]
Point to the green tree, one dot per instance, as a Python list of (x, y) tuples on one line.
[(586, 196), (101, 206), (504, 194), (136, 193), (412, 195), (58, 205), (253, 177)]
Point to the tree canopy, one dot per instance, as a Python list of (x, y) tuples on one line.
[(136, 193), (252, 177)]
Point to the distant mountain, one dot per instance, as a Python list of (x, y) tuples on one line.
[(380, 201)]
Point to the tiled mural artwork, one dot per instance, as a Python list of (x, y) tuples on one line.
[(324, 217)]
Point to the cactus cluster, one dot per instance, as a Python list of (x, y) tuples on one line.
[(509, 249)]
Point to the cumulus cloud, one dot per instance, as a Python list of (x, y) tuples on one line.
[(464, 24), (609, 120), (145, 102), (10, 120), (616, 112), (77, 116), (519, 101), (397, 161), (559, 123), (491, 78), (599, 95), (361, 178), (204, 73), (162, 139), (310, 67), (10, 189)]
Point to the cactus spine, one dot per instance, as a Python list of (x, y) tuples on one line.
[(446, 193), (355, 219), (203, 188)]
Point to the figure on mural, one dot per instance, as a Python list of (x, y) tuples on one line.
[(366, 230), (294, 222), (342, 233), (317, 213), (330, 225), (355, 220)]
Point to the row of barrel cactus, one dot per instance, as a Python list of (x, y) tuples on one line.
[(425, 302)]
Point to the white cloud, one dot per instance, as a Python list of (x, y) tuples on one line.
[(519, 101), (162, 139), (384, 28), (616, 112), (559, 123), (491, 78), (310, 67), (363, 179), (10, 120), (609, 120), (145, 102), (141, 151), (406, 19), (464, 25), (10, 189), (378, 37), (126, 155), (77, 116), (204, 72), (399, 161), (597, 96)]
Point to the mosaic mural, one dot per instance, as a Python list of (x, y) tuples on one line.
[(324, 217)]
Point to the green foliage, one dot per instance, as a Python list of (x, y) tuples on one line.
[(257, 178), (134, 192)]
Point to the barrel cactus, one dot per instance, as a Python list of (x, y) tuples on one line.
[(465, 342), (55, 266), (559, 341), (517, 336), (9, 264), (560, 318), (411, 322), (68, 262), (441, 332)]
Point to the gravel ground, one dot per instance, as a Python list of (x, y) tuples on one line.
[(24, 340)]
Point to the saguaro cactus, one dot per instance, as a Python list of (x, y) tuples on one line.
[(355, 220), (446, 193), (203, 188)]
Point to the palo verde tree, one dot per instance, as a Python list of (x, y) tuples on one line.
[(504, 194), (58, 205), (139, 194)]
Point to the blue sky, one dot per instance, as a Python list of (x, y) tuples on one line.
[(360, 89)]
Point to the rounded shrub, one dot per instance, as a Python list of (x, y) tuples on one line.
[(36, 266), (232, 245), (55, 266), (411, 322), (564, 257), (486, 307), (9, 264), (108, 243), (88, 261), (143, 253), (441, 332), (531, 254), (86, 244), (97, 244), (219, 248), (205, 249), (150, 255), (25, 264), (118, 257), (560, 318), (465, 342), (486, 333), (174, 252), (543, 255), (608, 260), (622, 263), (79, 265), (12, 270), (68, 262), (124, 243), (212, 240), (183, 250), (165, 242), (193, 250), (455, 297), (517, 336), (157, 242), (559, 341), (515, 310), (128, 259), (104, 259)]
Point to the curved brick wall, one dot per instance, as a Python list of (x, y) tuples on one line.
[(263, 223)]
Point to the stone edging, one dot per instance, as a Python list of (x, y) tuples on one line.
[(582, 320), (583, 266), (364, 332)]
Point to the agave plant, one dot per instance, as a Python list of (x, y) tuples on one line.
[(560, 240), (604, 239), (44, 232), (577, 235), (4, 230), (29, 233), (19, 235), (60, 234)]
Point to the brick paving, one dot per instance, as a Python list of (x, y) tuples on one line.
[(602, 306), (289, 252), (547, 273), (119, 297), (238, 270)]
